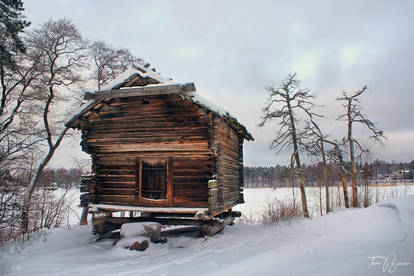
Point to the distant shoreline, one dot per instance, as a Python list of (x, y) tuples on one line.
[(373, 185)]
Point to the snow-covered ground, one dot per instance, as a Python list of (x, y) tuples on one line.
[(373, 241)]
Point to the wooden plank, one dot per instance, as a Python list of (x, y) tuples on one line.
[(146, 91)]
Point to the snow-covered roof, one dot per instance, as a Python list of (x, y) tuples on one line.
[(141, 80), (144, 71)]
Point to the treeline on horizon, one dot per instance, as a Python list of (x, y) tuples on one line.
[(280, 176), (257, 177)]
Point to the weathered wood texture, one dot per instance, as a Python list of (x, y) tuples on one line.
[(202, 153), (126, 130), (226, 190)]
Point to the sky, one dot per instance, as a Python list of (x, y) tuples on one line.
[(232, 50)]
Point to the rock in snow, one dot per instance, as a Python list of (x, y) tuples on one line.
[(139, 246)]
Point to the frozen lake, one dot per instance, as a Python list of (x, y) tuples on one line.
[(256, 199)]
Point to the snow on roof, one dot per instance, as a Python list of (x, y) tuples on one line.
[(150, 72), (231, 120), (133, 70), (195, 97), (78, 111)]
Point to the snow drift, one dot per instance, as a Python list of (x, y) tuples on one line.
[(374, 241)]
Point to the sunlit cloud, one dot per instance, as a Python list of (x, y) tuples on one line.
[(306, 64), (351, 54)]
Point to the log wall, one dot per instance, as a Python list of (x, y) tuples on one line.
[(204, 154), (126, 130), (229, 161)]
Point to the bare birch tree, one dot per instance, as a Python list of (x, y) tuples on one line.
[(108, 62), (16, 125), (64, 58), (353, 116), (283, 104)]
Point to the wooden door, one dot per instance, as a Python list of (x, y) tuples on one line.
[(154, 182)]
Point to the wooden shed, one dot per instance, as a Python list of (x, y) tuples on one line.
[(159, 149)]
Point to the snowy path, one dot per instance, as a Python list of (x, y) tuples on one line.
[(338, 244)]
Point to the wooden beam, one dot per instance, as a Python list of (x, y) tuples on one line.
[(178, 210), (161, 89)]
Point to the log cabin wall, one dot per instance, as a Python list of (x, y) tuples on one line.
[(125, 131), (229, 160)]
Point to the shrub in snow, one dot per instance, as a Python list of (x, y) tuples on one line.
[(279, 210)]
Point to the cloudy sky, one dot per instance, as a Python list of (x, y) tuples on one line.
[(231, 50)]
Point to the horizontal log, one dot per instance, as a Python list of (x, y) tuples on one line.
[(116, 172), (194, 172), (116, 118), (117, 185), (136, 126), (193, 194), (213, 227), (129, 157), (159, 140), (146, 91), (189, 202), (117, 198), (116, 177), (118, 132), (116, 191), (156, 147)]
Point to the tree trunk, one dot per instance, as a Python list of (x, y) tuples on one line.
[(320, 198), (352, 159), (34, 181), (339, 196), (325, 181), (354, 185), (345, 189), (325, 173), (293, 192), (303, 196), (297, 160), (325, 176)]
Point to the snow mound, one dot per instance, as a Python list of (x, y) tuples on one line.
[(139, 229)]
